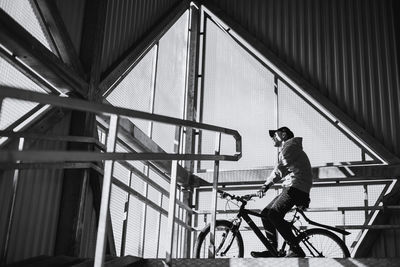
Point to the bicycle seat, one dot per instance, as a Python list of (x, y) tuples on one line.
[(304, 206)]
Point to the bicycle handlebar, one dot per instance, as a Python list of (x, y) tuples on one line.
[(243, 198)]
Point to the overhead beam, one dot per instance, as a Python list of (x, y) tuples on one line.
[(34, 54), (55, 25), (296, 80), (139, 49), (12, 60)]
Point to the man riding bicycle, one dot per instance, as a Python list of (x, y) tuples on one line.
[(294, 166)]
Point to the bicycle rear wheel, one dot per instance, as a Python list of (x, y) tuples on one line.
[(319, 242), (225, 247)]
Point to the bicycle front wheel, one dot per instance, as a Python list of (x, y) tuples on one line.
[(227, 243), (323, 243)]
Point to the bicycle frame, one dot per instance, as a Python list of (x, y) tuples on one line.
[(341, 231), (244, 213)]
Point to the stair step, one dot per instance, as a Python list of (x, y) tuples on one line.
[(252, 262), (47, 261)]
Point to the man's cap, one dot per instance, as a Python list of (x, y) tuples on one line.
[(283, 129)]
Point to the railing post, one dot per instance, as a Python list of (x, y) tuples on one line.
[(12, 204), (126, 218), (172, 199), (211, 248), (105, 194), (159, 226), (366, 202), (344, 223), (171, 212)]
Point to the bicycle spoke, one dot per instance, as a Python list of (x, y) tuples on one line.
[(322, 243)]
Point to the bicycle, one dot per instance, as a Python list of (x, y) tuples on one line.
[(315, 242)]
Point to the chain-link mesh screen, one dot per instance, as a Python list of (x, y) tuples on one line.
[(170, 82), (134, 91), (238, 94), (323, 142), (12, 109), (22, 12)]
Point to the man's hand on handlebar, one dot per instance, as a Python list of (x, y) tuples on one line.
[(261, 192)]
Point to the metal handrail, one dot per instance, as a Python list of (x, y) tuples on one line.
[(110, 155), (61, 138), (82, 105)]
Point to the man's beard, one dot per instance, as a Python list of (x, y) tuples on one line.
[(277, 144)]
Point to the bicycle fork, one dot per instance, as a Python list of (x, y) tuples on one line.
[(228, 237)]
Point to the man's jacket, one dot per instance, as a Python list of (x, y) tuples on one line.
[(293, 165)]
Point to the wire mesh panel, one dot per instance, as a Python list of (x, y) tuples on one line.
[(12, 109), (153, 194), (238, 93), (170, 82), (23, 12), (121, 173), (323, 142), (161, 181), (117, 210), (134, 91), (162, 245), (151, 235), (134, 226)]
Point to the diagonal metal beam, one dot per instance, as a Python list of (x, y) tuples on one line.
[(34, 54), (296, 80), (138, 50), (55, 25)]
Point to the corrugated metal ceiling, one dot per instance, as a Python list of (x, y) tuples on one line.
[(128, 22)]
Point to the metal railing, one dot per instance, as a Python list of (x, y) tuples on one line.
[(343, 215), (12, 157)]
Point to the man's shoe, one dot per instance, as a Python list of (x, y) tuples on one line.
[(261, 254), (295, 252)]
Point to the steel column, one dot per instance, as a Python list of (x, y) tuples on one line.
[(211, 248), (12, 204), (159, 226), (105, 194), (172, 198), (171, 212)]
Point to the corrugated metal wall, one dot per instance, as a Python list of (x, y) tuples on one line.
[(387, 245), (127, 22), (345, 48), (35, 221)]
